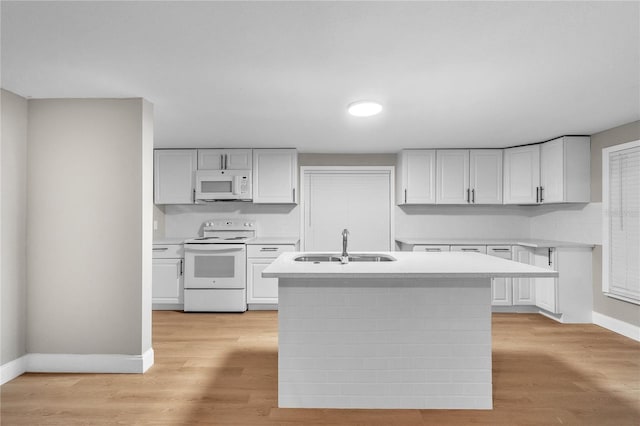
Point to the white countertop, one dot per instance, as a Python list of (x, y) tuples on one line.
[(527, 242), (274, 240), (408, 265), (173, 240)]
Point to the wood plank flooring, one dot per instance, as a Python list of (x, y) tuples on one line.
[(222, 369)]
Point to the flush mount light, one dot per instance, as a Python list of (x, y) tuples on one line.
[(364, 108)]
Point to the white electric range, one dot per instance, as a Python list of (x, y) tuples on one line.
[(215, 267)]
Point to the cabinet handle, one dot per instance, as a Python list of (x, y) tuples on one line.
[(549, 256), (269, 249), (500, 249), (194, 196), (537, 194), (468, 198), (405, 196), (293, 191), (221, 161), (181, 267), (541, 192), (469, 249), (160, 248), (473, 196)]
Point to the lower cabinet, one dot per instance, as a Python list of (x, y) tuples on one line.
[(262, 293), (524, 288), (167, 277), (501, 288)]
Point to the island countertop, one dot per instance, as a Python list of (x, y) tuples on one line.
[(407, 265)]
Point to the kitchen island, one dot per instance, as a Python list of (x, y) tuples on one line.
[(410, 333)]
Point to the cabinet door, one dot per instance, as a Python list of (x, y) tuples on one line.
[(523, 288), (167, 281), (418, 177), (238, 159), (275, 175), (211, 159), (174, 176), (259, 289), (552, 171), (485, 176), (501, 292), (546, 288), (521, 174), (452, 176)]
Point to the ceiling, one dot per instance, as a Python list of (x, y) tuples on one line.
[(280, 74)]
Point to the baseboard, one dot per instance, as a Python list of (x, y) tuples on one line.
[(13, 369), (262, 307), (89, 363), (628, 330)]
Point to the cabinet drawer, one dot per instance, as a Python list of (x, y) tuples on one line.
[(473, 249), (430, 248), (268, 250), (168, 251), (499, 251)]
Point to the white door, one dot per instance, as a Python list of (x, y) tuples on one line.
[(167, 281), (275, 176), (521, 174), (174, 176), (501, 288), (552, 171), (259, 289), (211, 159), (546, 288), (238, 159), (485, 176), (452, 176), (358, 200), (418, 177), (523, 288)]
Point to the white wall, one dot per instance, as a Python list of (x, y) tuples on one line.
[(14, 227), (89, 222), (580, 223)]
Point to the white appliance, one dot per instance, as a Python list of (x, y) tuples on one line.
[(215, 267), (216, 185)]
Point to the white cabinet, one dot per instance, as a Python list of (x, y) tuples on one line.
[(469, 176), (416, 176), (565, 170), (263, 292), (470, 248), (522, 175), (452, 176), (485, 176), (501, 288), (569, 296), (558, 171), (224, 159), (275, 176), (167, 277), (173, 175), (523, 288)]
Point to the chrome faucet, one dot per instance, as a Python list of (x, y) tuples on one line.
[(344, 258)]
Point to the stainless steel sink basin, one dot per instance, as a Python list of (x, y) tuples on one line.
[(316, 258)]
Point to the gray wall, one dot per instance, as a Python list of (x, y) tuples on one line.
[(602, 304), (90, 209), (14, 230)]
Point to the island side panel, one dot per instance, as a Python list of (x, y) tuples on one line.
[(385, 343)]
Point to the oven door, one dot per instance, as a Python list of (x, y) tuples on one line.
[(214, 266)]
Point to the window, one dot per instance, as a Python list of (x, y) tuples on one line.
[(621, 221)]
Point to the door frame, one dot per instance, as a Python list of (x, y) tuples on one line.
[(307, 171)]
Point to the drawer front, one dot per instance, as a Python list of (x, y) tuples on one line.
[(430, 248), (168, 251), (269, 250), (472, 249), (499, 251)]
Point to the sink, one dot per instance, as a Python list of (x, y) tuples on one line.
[(317, 258)]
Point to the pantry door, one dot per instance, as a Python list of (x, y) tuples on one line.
[(355, 198)]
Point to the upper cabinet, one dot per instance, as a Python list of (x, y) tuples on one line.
[(173, 176), (469, 176), (275, 176), (565, 170), (558, 171), (416, 176), (224, 159)]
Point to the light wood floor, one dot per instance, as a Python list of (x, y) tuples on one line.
[(222, 369)]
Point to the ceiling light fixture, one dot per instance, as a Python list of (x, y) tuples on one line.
[(364, 108)]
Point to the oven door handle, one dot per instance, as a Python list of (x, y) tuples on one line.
[(214, 248)]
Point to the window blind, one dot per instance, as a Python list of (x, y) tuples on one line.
[(621, 242)]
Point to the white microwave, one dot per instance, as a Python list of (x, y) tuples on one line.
[(216, 185)]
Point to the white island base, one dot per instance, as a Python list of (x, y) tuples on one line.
[(385, 342)]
